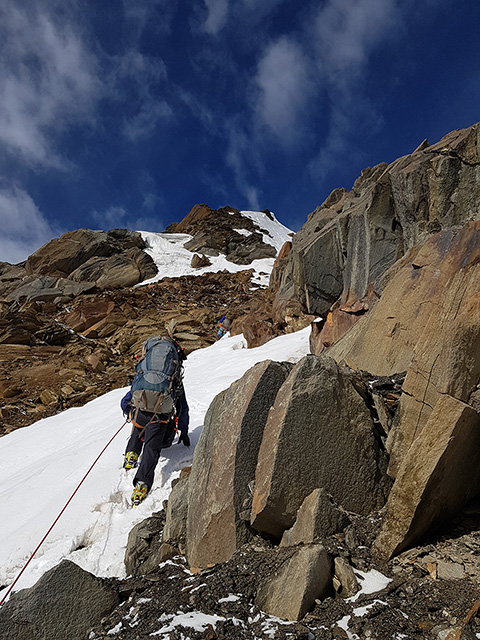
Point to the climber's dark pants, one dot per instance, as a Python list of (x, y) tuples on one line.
[(151, 438)]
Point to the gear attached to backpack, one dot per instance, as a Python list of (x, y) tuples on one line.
[(157, 384)]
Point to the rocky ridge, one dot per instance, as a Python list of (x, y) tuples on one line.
[(72, 317)]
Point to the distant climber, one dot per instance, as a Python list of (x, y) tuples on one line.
[(156, 405), (224, 325)]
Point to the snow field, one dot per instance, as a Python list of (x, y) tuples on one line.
[(42, 465)]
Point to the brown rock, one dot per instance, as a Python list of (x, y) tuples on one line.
[(317, 517), (89, 312), (224, 464), (348, 582), (437, 477), (47, 396), (319, 434), (303, 579), (9, 390), (95, 362), (67, 390), (200, 261), (257, 328), (428, 322)]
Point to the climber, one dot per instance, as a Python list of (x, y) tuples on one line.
[(157, 406), (224, 325)]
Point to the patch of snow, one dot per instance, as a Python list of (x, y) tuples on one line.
[(243, 232), (194, 620), (359, 612), (370, 582), (116, 629), (274, 232), (229, 598)]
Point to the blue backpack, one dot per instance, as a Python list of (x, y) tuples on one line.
[(157, 384)]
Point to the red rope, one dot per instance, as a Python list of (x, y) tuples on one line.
[(60, 514)]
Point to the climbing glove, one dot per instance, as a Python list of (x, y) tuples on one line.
[(185, 439)]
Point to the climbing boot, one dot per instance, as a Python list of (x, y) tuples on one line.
[(131, 460), (139, 493)]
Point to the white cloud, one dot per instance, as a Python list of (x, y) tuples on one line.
[(345, 34), (284, 87), (144, 123), (24, 228), (136, 83), (48, 81), (346, 31), (217, 15)]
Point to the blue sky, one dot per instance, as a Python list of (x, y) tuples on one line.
[(126, 113)]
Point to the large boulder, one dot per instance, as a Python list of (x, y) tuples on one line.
[(427, 323), (64, 604), (111, 259), (354, 237), (319, 434), (224, 464), (304, 578), (61, 256), (257, 328), (438, 475), (87, 312)]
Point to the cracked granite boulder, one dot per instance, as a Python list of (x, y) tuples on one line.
[(354, 237)]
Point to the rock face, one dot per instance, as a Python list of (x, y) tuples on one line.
[(225, 231), (304, 578), (224, 464), (53, 609), (426, 322), (437, 477), (319, 434), (354, 237), (109, 259)]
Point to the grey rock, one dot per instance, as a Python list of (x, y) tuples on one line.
[(319, 433), (47, 288), (176, 512), (140, 543), (64, 604), (317, 517), (450, 570), (354, 237), (304, 578), (224, 463)]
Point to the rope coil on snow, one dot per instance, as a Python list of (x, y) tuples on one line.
[(60, 514)]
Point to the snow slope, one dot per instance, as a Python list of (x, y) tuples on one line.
[(41, 466), (173, 260)]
